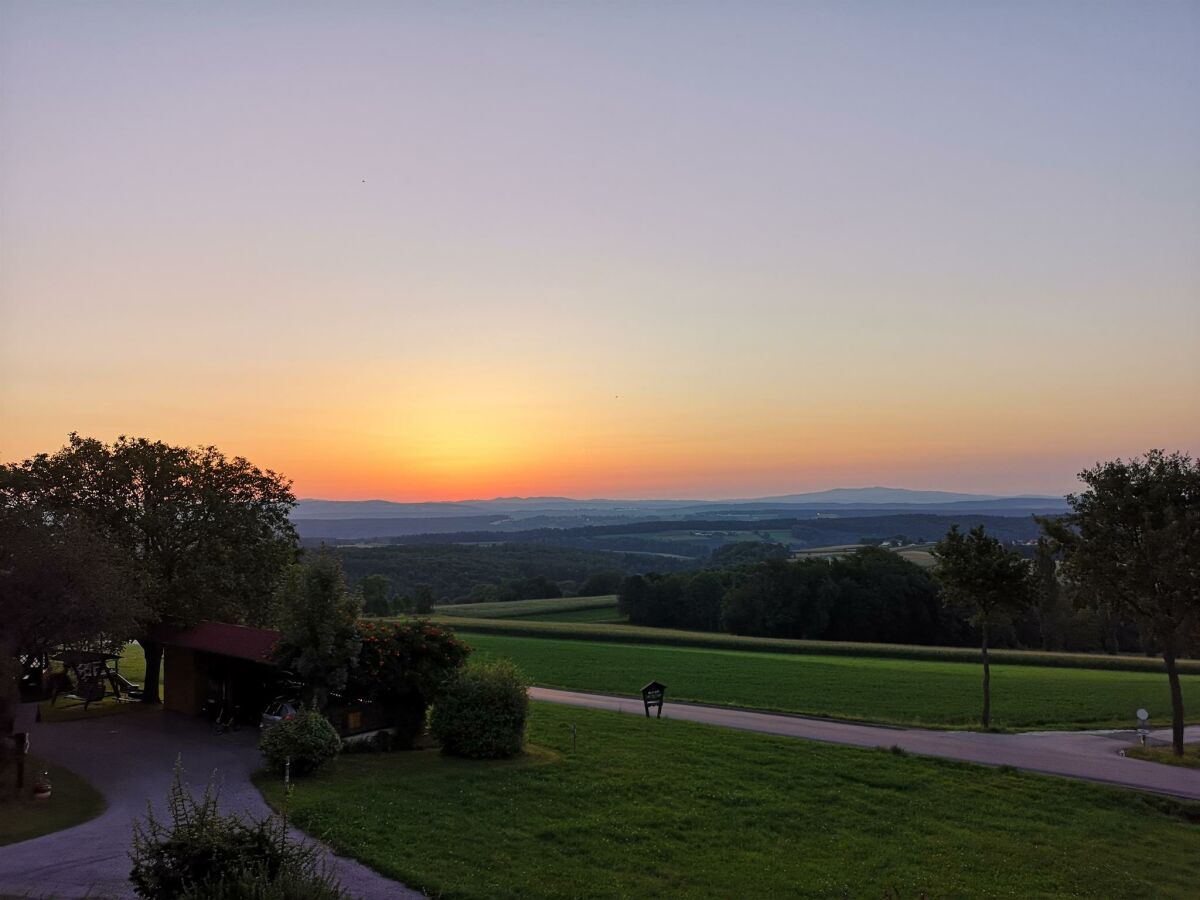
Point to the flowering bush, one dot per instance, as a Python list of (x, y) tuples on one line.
[(403, 665)]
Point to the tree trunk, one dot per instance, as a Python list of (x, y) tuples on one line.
[(987, 681), (1176, 703), (154, 655)]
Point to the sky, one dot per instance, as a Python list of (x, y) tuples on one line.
[(446, 250)]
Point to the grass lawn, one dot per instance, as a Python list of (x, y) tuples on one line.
[(896, 691), (1190, 758), (72, 801), (665, 808)]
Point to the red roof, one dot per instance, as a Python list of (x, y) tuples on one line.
[(240, 641)]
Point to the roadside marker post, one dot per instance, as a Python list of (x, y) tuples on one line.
[(652, 695)]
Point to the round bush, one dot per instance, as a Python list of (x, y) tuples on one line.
[(481, 712), (307, 739)]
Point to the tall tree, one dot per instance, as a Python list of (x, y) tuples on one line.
[(320, 639), (209, 535), (1131, 544), (376, 593), (1047, 593), (990, 581), (422, 600), (59, 584)]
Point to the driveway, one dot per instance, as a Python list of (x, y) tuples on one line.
[(1089, 755), (130, 759)]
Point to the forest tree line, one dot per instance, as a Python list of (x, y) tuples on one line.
[(870, 595), (467, 573)]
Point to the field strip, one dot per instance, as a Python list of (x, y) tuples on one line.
[(635, 634)]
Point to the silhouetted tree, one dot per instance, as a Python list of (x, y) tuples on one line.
[(991, 581), (1048, 596), (422, 600), (209, 536), (1131, 544), (376, 592), (61, 583), (320, 639)]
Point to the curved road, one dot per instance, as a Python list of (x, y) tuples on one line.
[(130, 758), (1090, 755)]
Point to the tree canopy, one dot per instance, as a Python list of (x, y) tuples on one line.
[(979, 574), (1131, 545), (63, 584), (207, 536), (319, 639)]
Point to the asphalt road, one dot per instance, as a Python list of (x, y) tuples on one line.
[(1089, 755), (130, 759)]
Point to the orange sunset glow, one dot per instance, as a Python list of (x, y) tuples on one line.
[(388, 274)]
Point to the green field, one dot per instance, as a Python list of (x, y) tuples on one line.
[(636, 634), (602, 615), (893, 691), (662, 808), (72, 802), (558, 609)]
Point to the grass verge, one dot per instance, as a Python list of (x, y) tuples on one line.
[(891, 691), (666, 808), (72, 802), (1189, 760)]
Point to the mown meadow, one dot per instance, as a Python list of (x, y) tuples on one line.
[(542, 625), (876, 689), (664, 808)]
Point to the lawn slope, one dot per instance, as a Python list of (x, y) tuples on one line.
[(72, 802), (664, 808)]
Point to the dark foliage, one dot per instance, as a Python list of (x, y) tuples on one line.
[(307, 740), (871, 595), (744, 553), (1131, 546), (481, 713), (404, 665), (201, 854), (452, 570)]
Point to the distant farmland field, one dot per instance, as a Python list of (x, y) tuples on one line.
[(564, 609), (920, 555)]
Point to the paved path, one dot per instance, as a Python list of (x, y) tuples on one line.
[(130, 758), (1090, 755)]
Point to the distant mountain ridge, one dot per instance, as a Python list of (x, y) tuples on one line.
[(876, 495), (504, 507)]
